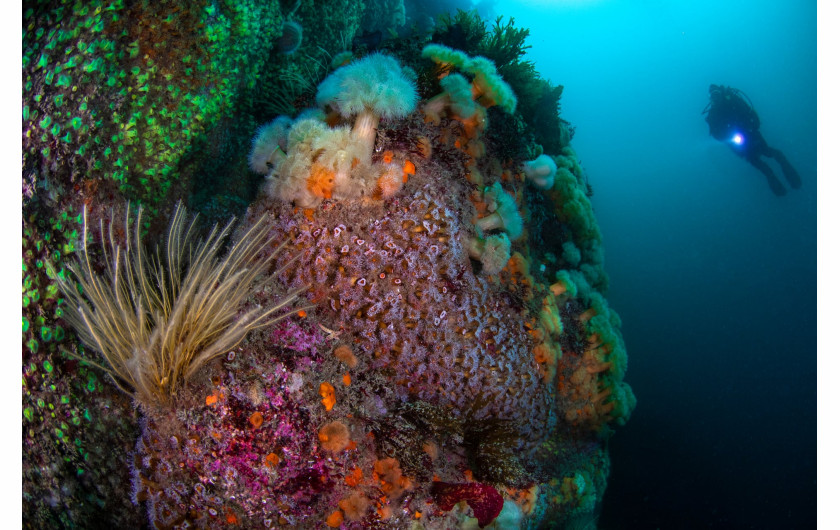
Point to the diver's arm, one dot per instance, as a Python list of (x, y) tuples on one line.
[(718, 127)]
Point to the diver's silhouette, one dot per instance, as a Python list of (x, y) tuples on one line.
[(732, 119)]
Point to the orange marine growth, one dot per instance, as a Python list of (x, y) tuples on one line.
[(271, 460), (424, 145), (354, 478), (586, 315), (345, 355), (256, 419), (334, 436), (391, 480), (321, 181), (335, 519), (408, 169), (327, 392), (354, 506)]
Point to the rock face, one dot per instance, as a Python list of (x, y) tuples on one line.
[(455, 344)]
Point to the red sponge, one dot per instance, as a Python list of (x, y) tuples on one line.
[(484, 499)]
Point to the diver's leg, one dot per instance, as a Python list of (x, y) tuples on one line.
[(775, 183), (790, 174)]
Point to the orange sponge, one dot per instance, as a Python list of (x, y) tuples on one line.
[(327, 392), (334, 436), (354, 506), (408, 169), (335, 519), (388, 472), (345, 355)]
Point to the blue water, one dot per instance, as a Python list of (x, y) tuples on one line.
[(715, 278)]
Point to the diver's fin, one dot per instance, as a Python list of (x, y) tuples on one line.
[(776, 185), (790, 174)]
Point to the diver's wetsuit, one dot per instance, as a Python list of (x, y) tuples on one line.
[(733, 120)]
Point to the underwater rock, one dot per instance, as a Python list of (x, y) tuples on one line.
[(456, 344)]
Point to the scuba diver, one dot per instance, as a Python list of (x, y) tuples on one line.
[(732, 119)]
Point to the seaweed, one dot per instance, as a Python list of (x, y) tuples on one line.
[(465, 31), (543, 114), (504, 44)]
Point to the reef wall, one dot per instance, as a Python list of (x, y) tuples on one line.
[(453, 361)]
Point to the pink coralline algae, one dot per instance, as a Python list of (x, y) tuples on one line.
[(485, 500), (297, 337), (245, 450)]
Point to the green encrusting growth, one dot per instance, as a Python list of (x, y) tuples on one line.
[(171, 73), (116, 99)]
